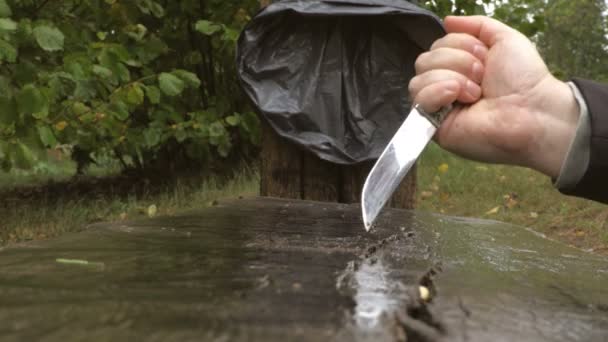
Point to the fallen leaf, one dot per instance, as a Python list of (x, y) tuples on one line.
[(424, 292), (493, 211), (443, 168), (152, 210), (511, 200), (79, 262), (534, 215), (511, 203), (426, 194)]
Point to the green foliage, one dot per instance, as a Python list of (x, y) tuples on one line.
[(526, 16), (455, 7), (571, 35), (150, 83), (574, 42)]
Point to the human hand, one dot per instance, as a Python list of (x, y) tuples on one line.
[(511, 109)]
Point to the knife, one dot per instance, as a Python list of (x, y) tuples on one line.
[(397, 159)]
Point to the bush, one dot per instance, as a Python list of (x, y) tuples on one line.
[(147, 82)]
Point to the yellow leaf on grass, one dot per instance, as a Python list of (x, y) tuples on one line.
[(534, 215), (493, 211), (511, 200), (61, 125), (152, 210), (443, 168), (426, 194)]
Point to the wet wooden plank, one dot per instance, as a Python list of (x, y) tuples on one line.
[(273, 270)]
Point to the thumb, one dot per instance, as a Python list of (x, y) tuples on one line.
[(488, 30)]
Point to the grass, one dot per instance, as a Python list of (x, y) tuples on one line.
[(454, 186), (48, 217), (446, 184)]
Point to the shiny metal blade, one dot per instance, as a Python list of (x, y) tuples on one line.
[(394, 163)]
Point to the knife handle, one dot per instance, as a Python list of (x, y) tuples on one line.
[(437, 117)]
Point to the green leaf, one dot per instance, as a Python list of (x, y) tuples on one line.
[(7, 51), (135, 95), (101, 71), (153, 94), (170, 84), (230, 35), (119, 110), (181, 135), (207, 27), (224, 149), (21, 156), (250, 124), (216, 130), (233, 120), (79, 108), (156, 9), (102, 35), (7, 24), (46, 136), (85, 90), (24, 30), (137, 32), (189, 77), (31, 101), (123, 73), (151, 7), (8, 111), (49, 38), (5, 9), (6, 89), (152, 136)]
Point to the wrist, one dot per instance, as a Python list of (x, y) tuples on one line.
[(558, 111)]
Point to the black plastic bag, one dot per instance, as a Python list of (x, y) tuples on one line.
[(332, 75)]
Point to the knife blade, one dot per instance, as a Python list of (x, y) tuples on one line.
[(397, 159)]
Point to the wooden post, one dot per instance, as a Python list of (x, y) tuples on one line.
[(288, 171)]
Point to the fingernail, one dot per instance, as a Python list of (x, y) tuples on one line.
[(473, 89), (477, 72), (480, 52)]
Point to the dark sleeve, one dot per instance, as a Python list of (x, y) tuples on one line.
[(594, 184)]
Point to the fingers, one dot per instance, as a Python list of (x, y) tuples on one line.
[(456, 60), (437, 95), (468, 91), (487, 30), (463, 42)]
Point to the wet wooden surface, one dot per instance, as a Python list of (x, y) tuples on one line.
[(276, 270)]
